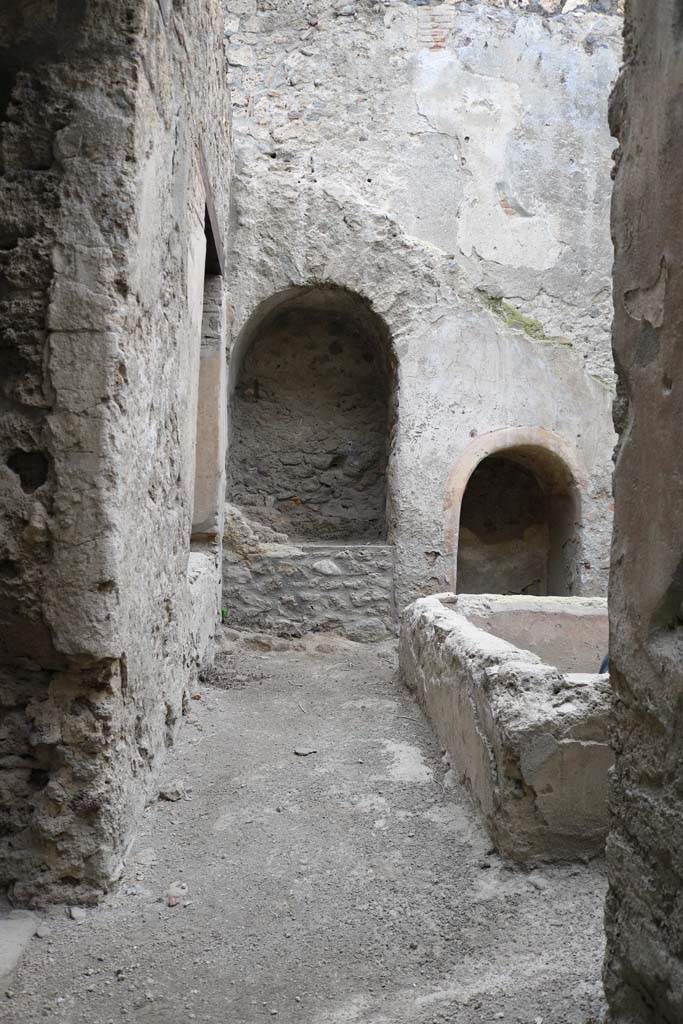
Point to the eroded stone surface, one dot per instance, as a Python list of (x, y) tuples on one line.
[(102, 264), (643, 967), (529, 741)]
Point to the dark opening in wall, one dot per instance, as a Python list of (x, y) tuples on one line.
[(31, 468), (6, 87), (518, 527), (310, 418)]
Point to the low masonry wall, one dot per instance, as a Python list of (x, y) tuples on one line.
[(292, 589), (528, 740)]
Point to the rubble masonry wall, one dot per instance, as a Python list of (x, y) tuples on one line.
[(101, 271)]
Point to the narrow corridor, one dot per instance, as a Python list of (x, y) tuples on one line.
[(335, 872)]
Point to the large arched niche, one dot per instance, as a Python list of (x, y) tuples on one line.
[(513, 514), (312, 408)]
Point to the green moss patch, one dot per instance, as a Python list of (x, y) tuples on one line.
[(514, 318)]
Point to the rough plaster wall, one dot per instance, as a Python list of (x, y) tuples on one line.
[(440, 159), (644, 961), (504, 543), (310, 424), (102, 116)]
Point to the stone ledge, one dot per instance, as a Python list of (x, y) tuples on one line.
[(294, 589)]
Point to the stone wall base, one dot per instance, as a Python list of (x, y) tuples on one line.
[(291, 589)]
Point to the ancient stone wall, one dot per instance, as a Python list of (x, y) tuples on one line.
[(291, 589), (644, 962), (103, 108), (450, 163)]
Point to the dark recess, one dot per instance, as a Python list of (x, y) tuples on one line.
[(31, 468)]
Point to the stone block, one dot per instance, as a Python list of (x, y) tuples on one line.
[(327, 567), (240, 56)]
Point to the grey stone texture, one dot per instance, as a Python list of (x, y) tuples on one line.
[(290, 588), (449, 163), (102, 619), (528, 740), (644, 960)]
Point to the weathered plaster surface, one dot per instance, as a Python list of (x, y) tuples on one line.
[(101, 268), (529, 741), (212, 417), (644, 961), (449, 162)]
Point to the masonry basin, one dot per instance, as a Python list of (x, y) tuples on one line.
[(512, 688)]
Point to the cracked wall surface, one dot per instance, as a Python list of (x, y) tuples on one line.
[(102, 618), (644, 960), (450, 163)]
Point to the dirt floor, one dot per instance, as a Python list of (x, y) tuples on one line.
[(335, 874)]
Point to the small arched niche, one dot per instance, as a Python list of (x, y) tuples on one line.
[(518, 522), (310, 418)]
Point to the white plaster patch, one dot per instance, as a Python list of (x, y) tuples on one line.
[(408, 763), (484, 114)]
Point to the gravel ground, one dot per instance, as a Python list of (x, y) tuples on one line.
[(349, 885)]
